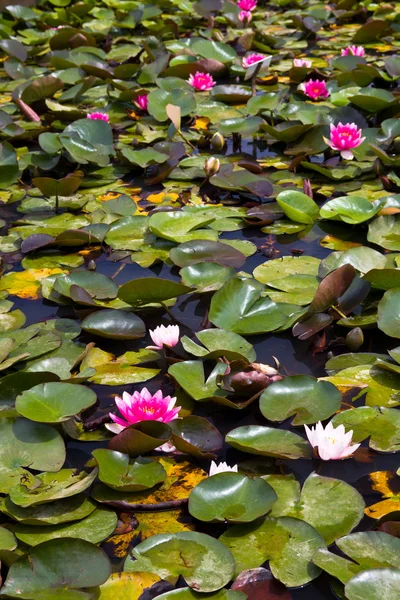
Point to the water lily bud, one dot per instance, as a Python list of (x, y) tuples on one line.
[(355, 338), (217, 141), (91, 265), (307, 189), (266, 369), (211, 166)]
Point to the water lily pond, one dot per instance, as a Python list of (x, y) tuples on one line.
[(200, 300)]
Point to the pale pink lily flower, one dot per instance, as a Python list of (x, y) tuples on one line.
[(201, 81), (332, 444), (302, 62), (221, 468), (314, 89), (164, 336), (98, 116), (245, 16), (345, 137), (251, 59), (142, 102), (247, 5), (353, 51), (143, 406)]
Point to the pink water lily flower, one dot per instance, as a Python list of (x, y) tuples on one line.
[(164, 336), (353, 51), (251, 59), (221, 468), (332, 444), (302, 62), (314, 89), (345, 137), (245, 16), (247, 5), (201, 81), (98, 116), (143, 406), (142, 102)]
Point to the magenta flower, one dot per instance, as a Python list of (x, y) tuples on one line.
[(247, 5), (344, 138), (302, 62), (353, 51), (164, 336), (143, 406), (314, 89), (245, 16), (201, 81), (142, 102), (98, 116), (251, 59)]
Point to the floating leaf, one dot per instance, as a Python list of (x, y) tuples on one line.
[(54, 402), (205, 563), (57, 567), (289, 545), (231, 497), (267, 441), (118, 472), (308, 399)]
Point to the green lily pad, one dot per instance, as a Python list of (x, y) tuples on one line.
[(380, 424), (267, 441), (231, 497), (297, 206), (70, 509), (307, 398), (114, 324), (201, 251), (377, 584), (280, 268), (95, 528), (149, 290), (97, 285), (196, 436), (289, 545), (219, 342), (389, 313), (50, 486), (118, 472), (58, 568), (239, 307), (206, 277), (54, 402), (366, 549), (204, 562), (331, 506), (24, 443)]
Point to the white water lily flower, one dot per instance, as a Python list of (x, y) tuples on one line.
[(332, 444), (221, 468), (164, 336)]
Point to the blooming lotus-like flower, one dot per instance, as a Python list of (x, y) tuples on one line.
[(353, 51), (221, 468), (302, 62), (164, 336), (143, 406), (314, 89), (344, 138), (201, 81), (142, 102), (245, 16), (332, 444), (251, 59), (98, 116), (247, 5)]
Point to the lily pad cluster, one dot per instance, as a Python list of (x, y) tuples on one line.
[(230, 169)]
